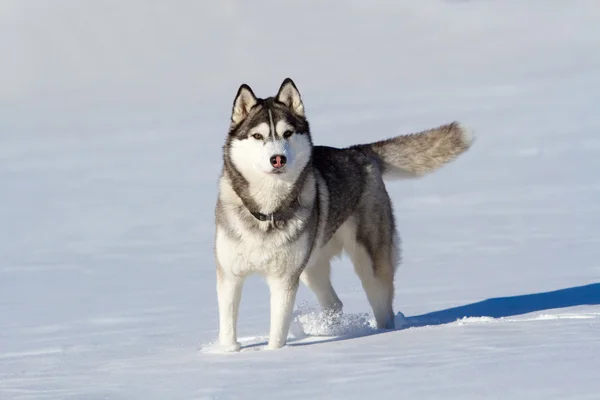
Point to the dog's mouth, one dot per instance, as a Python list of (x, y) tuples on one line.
[(277, 171)]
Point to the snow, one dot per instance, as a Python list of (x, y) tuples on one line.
[(112, 118)]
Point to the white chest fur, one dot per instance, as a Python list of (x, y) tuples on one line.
[(255, 253), (244, 249)]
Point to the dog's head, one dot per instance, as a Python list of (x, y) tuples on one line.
[(269, 137)]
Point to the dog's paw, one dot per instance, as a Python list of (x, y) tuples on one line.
[(275, 345), (218, 348), (229, 347)]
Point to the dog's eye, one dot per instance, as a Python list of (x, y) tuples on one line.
[(257, 136), (287, 134)]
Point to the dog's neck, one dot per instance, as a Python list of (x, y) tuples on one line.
[(270, 198), (282, 215)]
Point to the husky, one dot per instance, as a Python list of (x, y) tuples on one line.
[(285, 208)]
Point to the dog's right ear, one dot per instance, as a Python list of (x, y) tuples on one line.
[(244, 101)]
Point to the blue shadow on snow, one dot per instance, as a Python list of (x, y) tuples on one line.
[(510, 306), (498, 307)]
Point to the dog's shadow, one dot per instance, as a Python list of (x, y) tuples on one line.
[(498, 307)]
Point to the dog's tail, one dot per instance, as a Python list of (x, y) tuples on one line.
[(418, 154)]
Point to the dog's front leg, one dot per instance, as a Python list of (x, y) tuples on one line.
[(283, 295), (229, 293)]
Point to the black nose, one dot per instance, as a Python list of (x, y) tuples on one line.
[(278, 160)]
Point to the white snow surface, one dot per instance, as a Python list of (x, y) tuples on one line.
[(112, 118)]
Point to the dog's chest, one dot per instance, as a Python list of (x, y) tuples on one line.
[(256, 253)]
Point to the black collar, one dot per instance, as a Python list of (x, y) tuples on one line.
[(268, 217), (278, 216)]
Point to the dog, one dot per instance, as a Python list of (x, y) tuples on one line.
[(286, 207)]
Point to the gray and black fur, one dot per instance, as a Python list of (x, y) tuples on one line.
[(288, 222)]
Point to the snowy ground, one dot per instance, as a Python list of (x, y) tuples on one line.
[(111, 120)]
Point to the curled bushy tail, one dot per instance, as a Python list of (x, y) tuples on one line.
[(420, 153)]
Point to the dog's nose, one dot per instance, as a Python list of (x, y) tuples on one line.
[(278, 161)]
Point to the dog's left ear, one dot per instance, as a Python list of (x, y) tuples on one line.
[(290, 96)]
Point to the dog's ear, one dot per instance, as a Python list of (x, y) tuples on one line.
[(244, 101), (290, 96)]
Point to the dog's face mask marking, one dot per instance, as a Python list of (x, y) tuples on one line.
[(269, 137)]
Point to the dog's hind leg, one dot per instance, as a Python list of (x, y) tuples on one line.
[(377, 280), (283, 295), (375, 268), (317, 277)]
